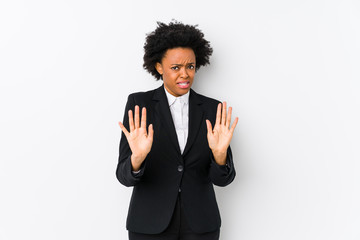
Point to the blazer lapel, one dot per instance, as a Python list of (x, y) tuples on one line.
[(195, 119), (163, 111)]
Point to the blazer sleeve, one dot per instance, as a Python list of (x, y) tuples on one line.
[(222, 175), (124, 171)]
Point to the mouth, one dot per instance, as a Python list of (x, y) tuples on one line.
[(183, 84)]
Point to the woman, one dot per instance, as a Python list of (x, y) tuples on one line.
[(172, 154)]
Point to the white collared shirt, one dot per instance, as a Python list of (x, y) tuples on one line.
[(179, 108)]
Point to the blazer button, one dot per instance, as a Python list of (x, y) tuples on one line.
[(180, 168)]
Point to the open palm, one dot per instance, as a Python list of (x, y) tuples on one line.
[(140, 141), (220, 136)]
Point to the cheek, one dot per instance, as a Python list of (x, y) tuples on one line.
[(172, 76), (170, 79), (192, 75)]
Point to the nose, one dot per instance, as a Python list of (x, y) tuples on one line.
[(184, 73)]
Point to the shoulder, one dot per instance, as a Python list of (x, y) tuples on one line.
[(208, 105), (142, 99), (205, 99), (141, 95)]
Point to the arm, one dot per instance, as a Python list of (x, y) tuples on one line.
[(222, 171), (222, 175), (134, 145)]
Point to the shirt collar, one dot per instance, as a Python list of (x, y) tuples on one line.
[(171, 99)]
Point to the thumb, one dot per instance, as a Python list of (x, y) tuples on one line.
[(151, 132), (208, 125)]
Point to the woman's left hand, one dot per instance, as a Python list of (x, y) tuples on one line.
[(219, 138)]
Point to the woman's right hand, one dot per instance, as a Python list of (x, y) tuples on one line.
[(140, 141)]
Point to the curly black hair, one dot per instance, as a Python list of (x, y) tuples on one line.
[(175, 34)]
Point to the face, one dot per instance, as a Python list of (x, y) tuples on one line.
[(178, 70)]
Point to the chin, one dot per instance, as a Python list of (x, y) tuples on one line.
[(183, 91)]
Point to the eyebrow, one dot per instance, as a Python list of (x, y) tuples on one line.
[(175, 64)]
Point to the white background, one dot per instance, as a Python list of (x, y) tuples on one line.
[(290, 69)]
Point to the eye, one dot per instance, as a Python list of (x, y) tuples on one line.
[(175, 68), (191, 66)]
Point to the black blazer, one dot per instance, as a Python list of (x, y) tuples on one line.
[(165, 171)]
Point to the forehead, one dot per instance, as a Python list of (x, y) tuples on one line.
[(179, 55)]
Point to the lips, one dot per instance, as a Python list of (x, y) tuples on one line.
[(183, 84)]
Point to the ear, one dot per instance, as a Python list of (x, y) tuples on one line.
[(159, 68)]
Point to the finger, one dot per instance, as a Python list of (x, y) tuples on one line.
[(143, 118), (131, 121), (223, 113), (234, 125), (137, 117), (209, 127), (228, 118), (218, 114), (123, 128), (151, 132)]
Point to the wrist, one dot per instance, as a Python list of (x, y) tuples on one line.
[(136, 162), (220, 157)]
